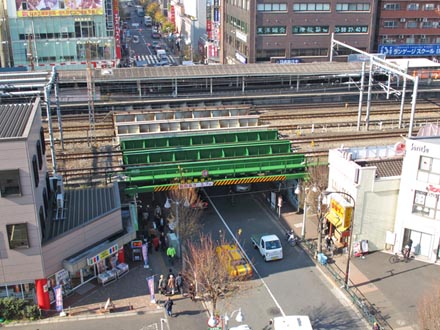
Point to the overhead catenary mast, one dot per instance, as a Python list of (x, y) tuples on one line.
[(90, 97)]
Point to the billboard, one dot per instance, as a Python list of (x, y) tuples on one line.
[(44, 8), (410, 50)]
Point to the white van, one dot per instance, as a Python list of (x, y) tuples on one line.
[(148, 21), (291, 322)]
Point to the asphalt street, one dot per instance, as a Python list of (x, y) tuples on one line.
[(291, 286)]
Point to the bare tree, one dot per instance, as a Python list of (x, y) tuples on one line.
[(187, 209), (207, 270), (429, 310)]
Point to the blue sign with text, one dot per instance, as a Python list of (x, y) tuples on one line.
[(410, 50)]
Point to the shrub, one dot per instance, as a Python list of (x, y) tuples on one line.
[(18, 309)]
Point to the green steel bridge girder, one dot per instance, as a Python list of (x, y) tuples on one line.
[(206, 152), (199, 139), (239, 167), (134, 189)]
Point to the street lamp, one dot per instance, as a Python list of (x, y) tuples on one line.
[(214, 321), (347, 269)]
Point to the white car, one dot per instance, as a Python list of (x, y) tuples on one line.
[(135, 25), (244, 187)]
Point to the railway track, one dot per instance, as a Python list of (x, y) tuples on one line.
[(311, 132)]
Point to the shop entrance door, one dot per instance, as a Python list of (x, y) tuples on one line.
[(421, 242)]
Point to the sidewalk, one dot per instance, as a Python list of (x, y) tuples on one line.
[(389, 292), (130, 296)]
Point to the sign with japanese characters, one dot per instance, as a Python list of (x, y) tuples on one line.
[(410, 50)]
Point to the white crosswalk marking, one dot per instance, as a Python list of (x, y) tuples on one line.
[(153, 59)]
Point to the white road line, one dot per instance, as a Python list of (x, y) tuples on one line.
[(249, 259)]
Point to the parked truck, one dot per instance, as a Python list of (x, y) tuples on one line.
[(269, 246)]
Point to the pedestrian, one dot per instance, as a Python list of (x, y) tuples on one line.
[(171, 285), (161, 225), (163, 241), (169, 306), (407, 250), (170, 273), (192, 291), (171, 253), (179, 283), (162, 285), (156, 243), (328, 242)]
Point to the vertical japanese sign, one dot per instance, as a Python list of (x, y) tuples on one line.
[(150, 282), (58, 298), (117, 27)]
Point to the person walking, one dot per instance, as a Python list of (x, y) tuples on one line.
[(169, 306), (162, 285), (171, 285), (163, 241), (192, 292), (171, 253), (179, 283), (156, 243)]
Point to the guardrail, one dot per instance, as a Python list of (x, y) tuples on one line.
[(368, 310)]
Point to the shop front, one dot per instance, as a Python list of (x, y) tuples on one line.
[(104, 262), (338, 221), (19, 291)]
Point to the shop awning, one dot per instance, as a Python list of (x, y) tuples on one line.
[(78, 261), (336, 221)]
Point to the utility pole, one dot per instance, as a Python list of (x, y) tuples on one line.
[(91, 96)]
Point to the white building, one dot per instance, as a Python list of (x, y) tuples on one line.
[(371, 176), (418, 211)]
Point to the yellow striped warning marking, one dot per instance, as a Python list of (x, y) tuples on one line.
[(227, 182)]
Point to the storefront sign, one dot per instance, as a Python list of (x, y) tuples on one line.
[(101, 256), (196, 185), (61, 276), (434, 189), (341, 213), (136, 244)]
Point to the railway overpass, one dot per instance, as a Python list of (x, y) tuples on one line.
[(206, 159)]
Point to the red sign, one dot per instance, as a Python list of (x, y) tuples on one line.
[(117, 22), (434, 189)]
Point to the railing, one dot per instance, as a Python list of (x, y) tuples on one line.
[(368, 310)]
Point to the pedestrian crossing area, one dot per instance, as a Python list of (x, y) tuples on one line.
[(152, 60)]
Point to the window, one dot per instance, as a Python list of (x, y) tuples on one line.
[(391, 6), (390, 24), (353, 7), (17, 235), (272, 7), (426, 204), (35, 170), (39, 155), (413, 6), (429, 170), (43, 144), (429, 6), (10, 183), (311, 7), (411, 24)]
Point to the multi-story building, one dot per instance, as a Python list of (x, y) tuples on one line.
[(261, 31), (409, 28), (50, 235), (371, 176), (64, 33), (418, 209)]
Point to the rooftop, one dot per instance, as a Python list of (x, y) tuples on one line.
[(385, 167), (82, 206), (14, 119)]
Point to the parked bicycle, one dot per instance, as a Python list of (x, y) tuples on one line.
[(404, 256)]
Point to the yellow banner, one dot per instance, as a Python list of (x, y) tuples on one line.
[(343, 213)]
